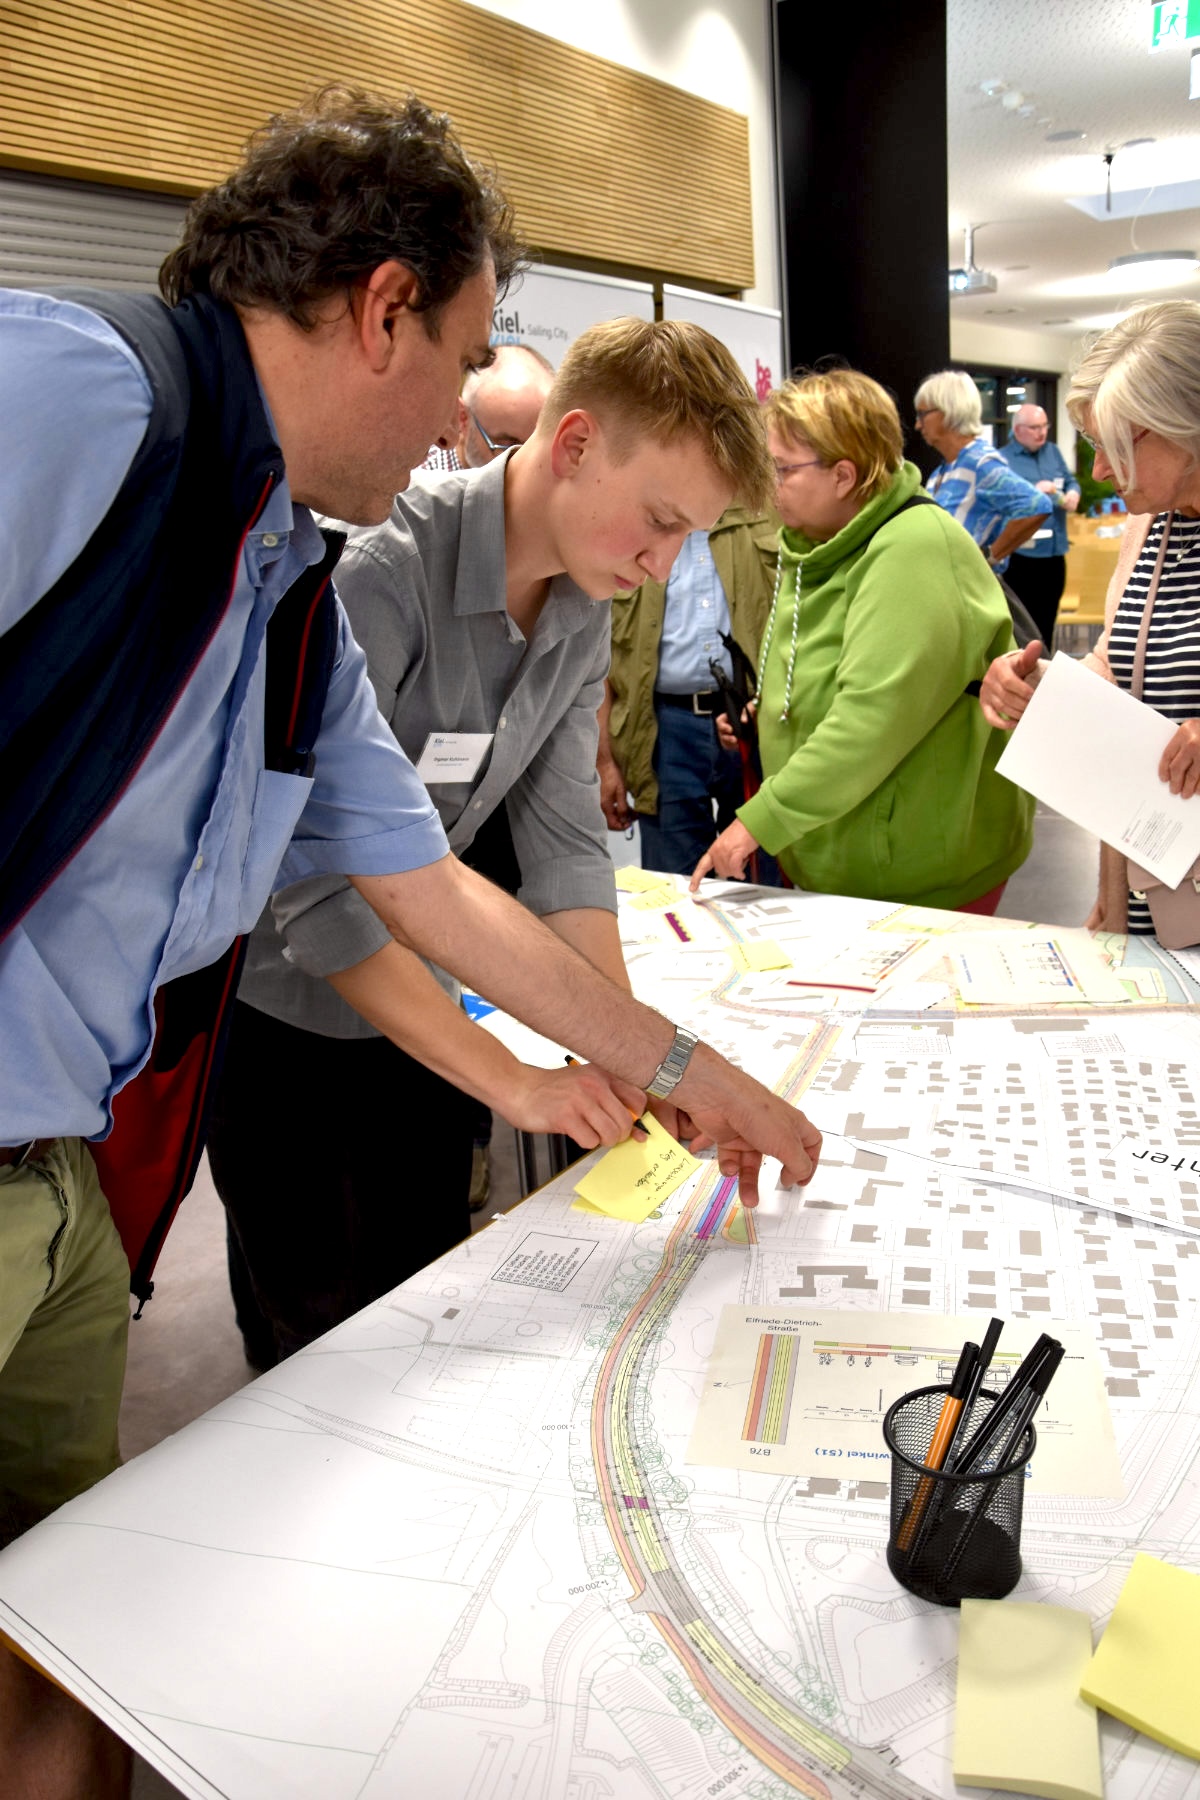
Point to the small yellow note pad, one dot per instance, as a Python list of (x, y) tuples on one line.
[(758, 955), (633, 880), (1019, 1722), (652, 899), (632, 1179), (1147, 1667)]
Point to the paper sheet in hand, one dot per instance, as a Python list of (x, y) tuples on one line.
[(635, 1178), (1091, 751), (1147, 1667), (1020, 1723)]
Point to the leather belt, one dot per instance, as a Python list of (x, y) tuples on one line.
[(17, 1155), (704, 704)]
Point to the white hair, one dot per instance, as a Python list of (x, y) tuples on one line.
[(1141, 374), (513, 365), (952, 393)]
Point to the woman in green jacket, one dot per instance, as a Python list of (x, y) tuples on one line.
[(879, 768)]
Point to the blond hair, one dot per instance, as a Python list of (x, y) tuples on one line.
[(666, 380), (952, 393), (846, 416), (1143, 373)]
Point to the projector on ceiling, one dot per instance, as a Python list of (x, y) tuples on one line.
[(972, 281)]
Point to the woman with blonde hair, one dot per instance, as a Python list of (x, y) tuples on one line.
[(879, 776), (1136, 397)]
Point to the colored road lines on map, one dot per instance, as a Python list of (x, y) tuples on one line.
[(716, 1211), (770, 1403)]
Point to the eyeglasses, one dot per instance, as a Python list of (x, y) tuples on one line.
[(495, 445), (927, 413), (783, 470), (1095, 445)]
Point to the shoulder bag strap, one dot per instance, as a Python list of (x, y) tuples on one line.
[(1139, 654)]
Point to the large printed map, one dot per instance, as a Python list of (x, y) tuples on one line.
[(456, 1548)]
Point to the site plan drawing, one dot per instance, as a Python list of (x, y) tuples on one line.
[(457, 1547)]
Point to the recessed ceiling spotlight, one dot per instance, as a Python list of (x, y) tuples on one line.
[(1064, 137), (1027, 111), (992, 86), (1000, 311), (1013, 100)]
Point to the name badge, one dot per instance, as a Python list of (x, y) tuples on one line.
[(453, 756), (1046, 532)]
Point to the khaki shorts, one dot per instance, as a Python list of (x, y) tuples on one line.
[(64, 1322)]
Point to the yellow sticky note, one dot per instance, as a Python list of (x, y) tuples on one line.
[(633, 880), (632, 1179), (650, 899), (1019, 1722), (1147, 1667), (758, 955)]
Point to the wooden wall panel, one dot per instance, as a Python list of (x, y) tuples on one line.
[(602, 164)]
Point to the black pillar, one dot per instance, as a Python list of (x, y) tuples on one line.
[(861, 95)]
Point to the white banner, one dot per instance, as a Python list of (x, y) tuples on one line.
[(546, 309), (753, 333)]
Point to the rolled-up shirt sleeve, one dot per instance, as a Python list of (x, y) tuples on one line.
[(368, 812), (554, 812)]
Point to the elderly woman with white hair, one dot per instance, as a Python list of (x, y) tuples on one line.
[(1136, 397), (973, 482)]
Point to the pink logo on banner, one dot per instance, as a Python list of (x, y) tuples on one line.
[(762, 379)]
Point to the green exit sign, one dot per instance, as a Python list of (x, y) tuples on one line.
[(1174, 22)]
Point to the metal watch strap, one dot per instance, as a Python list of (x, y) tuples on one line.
[(670, 1070)]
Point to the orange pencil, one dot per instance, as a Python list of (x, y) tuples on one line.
[(940, 1443)]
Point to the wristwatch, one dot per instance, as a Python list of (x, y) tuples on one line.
[(670, 1070)]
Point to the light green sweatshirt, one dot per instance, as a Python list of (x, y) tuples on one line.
[(879, 767)]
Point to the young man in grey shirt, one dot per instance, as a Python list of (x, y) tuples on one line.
[(487, 641)]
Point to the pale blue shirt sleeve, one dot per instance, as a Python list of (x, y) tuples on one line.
[(71, 380)]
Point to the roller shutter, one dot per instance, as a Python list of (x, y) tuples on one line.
[(54, 233)]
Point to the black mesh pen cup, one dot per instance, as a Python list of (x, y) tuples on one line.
[(952, 1537)]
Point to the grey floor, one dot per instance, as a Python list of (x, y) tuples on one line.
[(185, 1353)]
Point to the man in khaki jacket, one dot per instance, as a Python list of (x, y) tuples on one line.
[(658, 740)]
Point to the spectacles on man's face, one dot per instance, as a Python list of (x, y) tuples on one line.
[(783, 470), (927, 413), (495, 445)]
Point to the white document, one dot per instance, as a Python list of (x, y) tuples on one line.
[(1091, 751), (453, 755), (1029, 968)]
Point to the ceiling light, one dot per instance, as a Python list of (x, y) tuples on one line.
[(1136, 143), (1064, 137), (992, 86), (1012, 100), (1162, 267)]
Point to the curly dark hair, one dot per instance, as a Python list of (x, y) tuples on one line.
[(326, 193)]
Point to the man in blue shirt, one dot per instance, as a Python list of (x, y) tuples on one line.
[(1038, 570), (334, 292)]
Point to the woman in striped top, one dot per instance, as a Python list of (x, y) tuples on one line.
[(1136, 397)]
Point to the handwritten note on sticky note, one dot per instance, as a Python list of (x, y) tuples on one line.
[(758, 955), (651, 899), (633, 880), (1147, 1667), (1019, 1722), (634, 1178)]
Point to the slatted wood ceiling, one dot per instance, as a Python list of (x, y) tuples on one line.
[(603, 165)]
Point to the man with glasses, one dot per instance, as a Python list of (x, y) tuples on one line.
[(497, 410), (1038, 570)]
